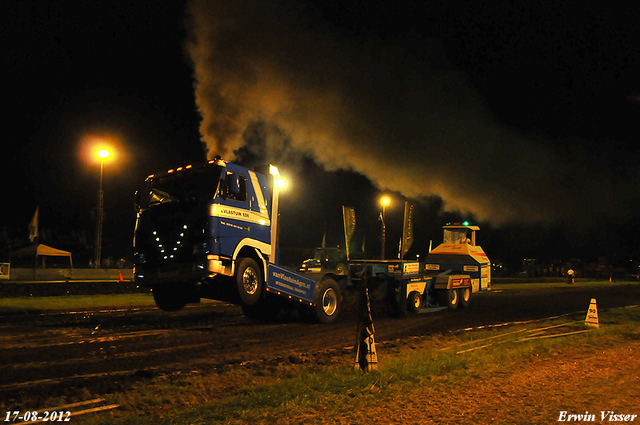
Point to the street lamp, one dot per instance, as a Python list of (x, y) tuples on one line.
[(385, 200), (102, 155)]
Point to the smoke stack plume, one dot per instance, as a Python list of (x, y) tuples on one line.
[(392, 109)]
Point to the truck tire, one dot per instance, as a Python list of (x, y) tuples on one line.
[(328, 301), (169, 298), (249, 281), (448, 298), (465, 297), (414, 302)]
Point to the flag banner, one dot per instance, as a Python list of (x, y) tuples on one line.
[(407, 229), (33, 226), (349, 217)]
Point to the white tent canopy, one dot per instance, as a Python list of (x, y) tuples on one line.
[(41, 250)]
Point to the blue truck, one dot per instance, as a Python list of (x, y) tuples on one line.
[(210, 231)]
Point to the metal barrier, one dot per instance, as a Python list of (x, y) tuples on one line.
[(20, 274)]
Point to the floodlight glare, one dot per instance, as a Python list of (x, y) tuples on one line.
[(273, 170)]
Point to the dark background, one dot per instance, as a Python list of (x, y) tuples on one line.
[(76, 71)]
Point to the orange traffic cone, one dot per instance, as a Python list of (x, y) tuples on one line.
[(120, 276)]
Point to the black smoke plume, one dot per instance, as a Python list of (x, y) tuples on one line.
[(391, 108)]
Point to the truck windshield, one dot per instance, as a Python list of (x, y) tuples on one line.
[(195, 184), (456, 236)]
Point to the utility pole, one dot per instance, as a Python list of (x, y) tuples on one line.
[(102, 154)]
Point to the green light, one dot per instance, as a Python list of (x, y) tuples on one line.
[(466, 223)]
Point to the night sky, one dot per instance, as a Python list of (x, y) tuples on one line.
[(519, 116)]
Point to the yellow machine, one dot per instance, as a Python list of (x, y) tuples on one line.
[(459, 267)]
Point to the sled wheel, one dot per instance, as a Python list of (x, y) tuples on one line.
[(415, 302), (465, 297), (448, 298)]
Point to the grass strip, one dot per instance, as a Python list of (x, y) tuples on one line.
[(39, 304), (577, 284)]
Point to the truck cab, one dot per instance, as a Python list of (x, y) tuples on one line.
[(192, 226)]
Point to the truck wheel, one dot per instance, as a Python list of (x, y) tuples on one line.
[(465, 297), (327, 301), (448, 298), (169, 298), (415, 302), (249, 281)]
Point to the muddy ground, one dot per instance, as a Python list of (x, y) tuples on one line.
[(103, 350)]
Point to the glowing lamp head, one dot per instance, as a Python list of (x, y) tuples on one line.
[(103, 154), (385, 200), (281, 183), (273, 170)]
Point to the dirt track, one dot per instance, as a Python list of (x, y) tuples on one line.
[(106, 350)]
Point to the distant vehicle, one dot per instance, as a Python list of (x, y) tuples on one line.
[(326, 258)]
